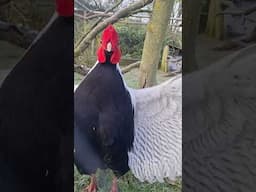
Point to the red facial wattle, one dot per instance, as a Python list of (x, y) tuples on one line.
[(109, 35), (65, 8)]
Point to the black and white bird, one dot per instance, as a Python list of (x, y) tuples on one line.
[(36, 110), (121, 128), (104, 127)]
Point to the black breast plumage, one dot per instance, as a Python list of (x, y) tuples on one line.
[(104, 126)]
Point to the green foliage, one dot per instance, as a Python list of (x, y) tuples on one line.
[(131, 39)]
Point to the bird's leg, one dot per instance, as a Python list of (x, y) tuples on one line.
[(114, 187), (92, 187)]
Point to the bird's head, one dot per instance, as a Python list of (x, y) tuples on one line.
[(109, 46), (65, 8)]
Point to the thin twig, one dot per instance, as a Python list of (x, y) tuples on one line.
[(107, 11)]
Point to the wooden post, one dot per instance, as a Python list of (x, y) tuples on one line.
[(164, 63)]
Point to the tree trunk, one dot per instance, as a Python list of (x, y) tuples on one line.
[(215, 22), (191, 19), (156, 31)]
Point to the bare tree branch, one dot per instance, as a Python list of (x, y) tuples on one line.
[(131, 66), (141, 11), (82, 5), (92, 16), (101, 18), (85, 40), (97, 15), (239, 12)]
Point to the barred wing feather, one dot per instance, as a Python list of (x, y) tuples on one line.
[(157, 145)]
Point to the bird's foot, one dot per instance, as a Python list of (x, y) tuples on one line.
[(114, 187), (92, 187)]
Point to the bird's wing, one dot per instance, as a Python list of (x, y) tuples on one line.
[(219, 147), (157, 146)]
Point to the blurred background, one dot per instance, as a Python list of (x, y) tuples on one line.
[(20, 22), (214, 29)]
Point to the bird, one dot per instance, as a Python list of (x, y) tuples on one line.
[(125, 129), (103, 118), (36, 110)]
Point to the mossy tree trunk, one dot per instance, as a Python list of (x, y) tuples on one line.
[(191, 19), (215, 23), (156, 31)]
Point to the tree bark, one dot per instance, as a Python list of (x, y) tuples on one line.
[(156, 31), (191, 18), (85, 40), (215, 22)]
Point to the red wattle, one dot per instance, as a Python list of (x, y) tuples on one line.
[(65, 8)]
